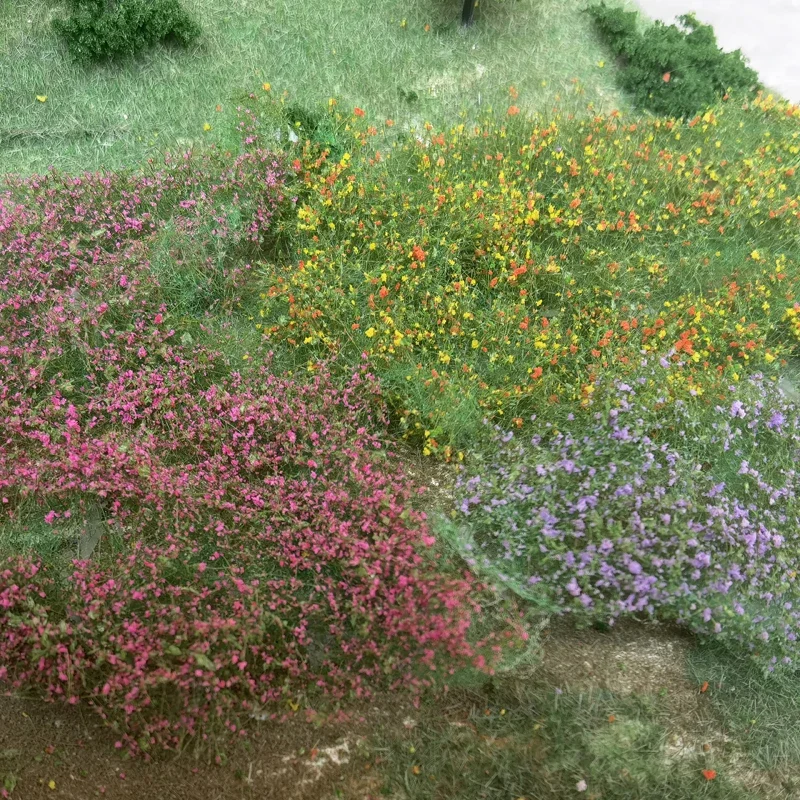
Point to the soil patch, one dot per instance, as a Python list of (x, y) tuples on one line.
[(49, 751)]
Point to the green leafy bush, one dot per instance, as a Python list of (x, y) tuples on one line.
[(103, 30), (672, 70)]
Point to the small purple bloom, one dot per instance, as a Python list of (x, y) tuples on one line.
[(573, 588), (776, 421)]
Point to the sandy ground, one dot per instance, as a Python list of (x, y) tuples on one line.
[(766, 31)]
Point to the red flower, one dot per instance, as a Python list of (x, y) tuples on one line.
[(358, 112), (709, 774)]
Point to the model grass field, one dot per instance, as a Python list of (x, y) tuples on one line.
[(369, 358)]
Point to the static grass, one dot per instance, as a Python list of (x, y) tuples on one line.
[(522, 740), (361, 53), (761, 712)]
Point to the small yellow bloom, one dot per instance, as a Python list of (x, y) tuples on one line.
[(41, 97), (266, 87), (755, 255), (51, 785), (370, 332), (206, 127)]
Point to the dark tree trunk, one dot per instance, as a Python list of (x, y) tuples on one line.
[(467, 12)]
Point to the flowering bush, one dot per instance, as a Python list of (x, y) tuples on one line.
[(89, 265), (259, 546), (500, 266), (271, 554), (686, 511)]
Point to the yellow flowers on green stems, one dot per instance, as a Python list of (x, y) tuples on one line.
[(497, 266)]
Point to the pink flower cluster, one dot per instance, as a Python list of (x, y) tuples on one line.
[(80, 296), (259, 542)]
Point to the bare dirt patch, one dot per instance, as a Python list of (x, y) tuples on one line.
[(50, 751), (437, 478)]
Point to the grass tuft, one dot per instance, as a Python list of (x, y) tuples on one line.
[(527, 740), (359, 52)]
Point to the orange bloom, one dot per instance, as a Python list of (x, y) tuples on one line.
[(358, 112), (513, 111), (709, 774)]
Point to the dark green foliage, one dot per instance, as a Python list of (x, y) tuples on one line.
[(105, 30), (672, 70), (317, 127)]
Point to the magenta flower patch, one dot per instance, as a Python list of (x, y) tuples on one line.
[(253, 541)]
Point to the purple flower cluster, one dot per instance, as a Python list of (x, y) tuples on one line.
[(652, 506)]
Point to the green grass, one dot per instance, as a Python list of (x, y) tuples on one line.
[(524, 740), (115, 115), (761, 712)]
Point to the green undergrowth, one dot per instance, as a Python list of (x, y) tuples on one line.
[(514, 739), (761, 712)]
